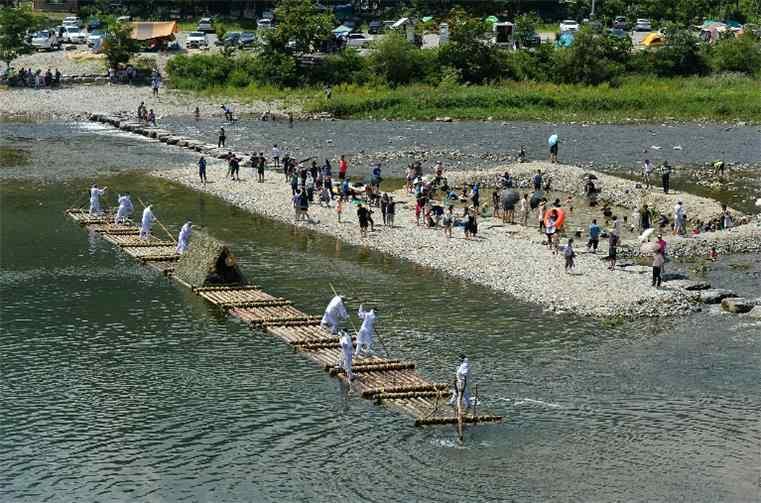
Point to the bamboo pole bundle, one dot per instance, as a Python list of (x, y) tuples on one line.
[(409, 394), (296, 321), (382, 367), (168, 257), (369, 393)]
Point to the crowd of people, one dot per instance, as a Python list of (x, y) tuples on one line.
[(37, 79)]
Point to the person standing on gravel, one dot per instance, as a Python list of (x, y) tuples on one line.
[(202, 169), (343, 168), (222, 137), (363, 214), (647, 170), (276, 157), (536, 180), (524, 209), (260, 164), (658, 260), (615, 235), (594, 236), (155, 84), (679, 218), (666, 176)]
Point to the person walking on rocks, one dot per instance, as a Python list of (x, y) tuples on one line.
[(221, 140), (152, 117), (449, 222), (536, 181), (276, 157), (155, 84), (569, 255), (659, 260), (551, 229), (594, 236), (647, 171), (666, 176), (390, 211), (363, 215), (524, 209), (679, 219), (615, 234), (95, 195), (261, 162), (343, 168), (202, 169), (644, 218)]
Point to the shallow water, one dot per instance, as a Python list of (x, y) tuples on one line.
[(119, 385)]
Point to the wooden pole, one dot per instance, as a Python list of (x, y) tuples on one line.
[(475, 404), (459, 412)]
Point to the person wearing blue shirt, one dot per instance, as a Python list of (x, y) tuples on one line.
[(594, 236)]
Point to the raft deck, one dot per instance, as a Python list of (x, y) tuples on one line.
[(391, 382)]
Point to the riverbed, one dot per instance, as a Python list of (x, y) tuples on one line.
[(119, 385)]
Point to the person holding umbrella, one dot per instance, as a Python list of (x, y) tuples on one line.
[(553, 142)]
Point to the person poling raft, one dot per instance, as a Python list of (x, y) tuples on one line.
[(365, 334), (334, 314), (146, 222), (346, 355), (461, 389), (125, 208), (184, 237), (95, 195)]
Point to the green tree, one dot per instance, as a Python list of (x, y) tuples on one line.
[(118, 44), (14, 23), (395, 60), (682, 54), (593, 58), (741, 54), (469, 50), (301, 27), (525, 28)]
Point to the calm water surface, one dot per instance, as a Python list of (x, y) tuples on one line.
[(118, 385)]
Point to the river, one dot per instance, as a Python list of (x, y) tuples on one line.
[(118, 385)]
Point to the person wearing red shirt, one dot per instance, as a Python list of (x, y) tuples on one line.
[(343, 167)]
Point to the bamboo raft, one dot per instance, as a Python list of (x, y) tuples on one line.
[(392, 382)]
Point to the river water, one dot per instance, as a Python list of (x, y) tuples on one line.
[(118, 385)]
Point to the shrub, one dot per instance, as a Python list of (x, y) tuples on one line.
[(682, 54), (537, 65), (396, 61), (593, 58), (468, 50), (741, 54), (346, 66), (276, 68), (199, 71)]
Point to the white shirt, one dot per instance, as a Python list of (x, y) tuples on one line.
[(275, 152)]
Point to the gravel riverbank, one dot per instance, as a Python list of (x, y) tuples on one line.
[(77, 101), (506, 258)]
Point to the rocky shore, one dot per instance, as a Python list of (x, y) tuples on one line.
[(506, 258)]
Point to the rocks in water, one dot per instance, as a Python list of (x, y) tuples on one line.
[(673, 276), (639, 269), (686, 284), (755, 312), (715, 295), (737, 305), (443, 119)]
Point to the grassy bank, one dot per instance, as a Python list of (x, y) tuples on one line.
[(691, 99), (723, 98)]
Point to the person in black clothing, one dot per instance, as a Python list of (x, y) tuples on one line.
[(202, 169), (665, 176), (261, 162), (363, 215), (644, 218), (221, 142)]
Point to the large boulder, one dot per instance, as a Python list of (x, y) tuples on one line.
[(672, 276), (715, 295), (755, 312), (686, 284), (737, 305)]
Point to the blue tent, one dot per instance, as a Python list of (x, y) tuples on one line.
[(565, 40), (342, 30)]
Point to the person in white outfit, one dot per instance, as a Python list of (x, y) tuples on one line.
[(95, 194), (366, 331), (346, 355), (462, 384), (125, 208), (334, 314), (146, 222), (184, 237)]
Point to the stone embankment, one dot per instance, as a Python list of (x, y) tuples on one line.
[(507, 258)]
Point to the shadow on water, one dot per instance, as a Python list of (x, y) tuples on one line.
[(129, 387)]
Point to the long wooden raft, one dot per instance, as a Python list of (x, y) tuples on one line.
[(392, 382)]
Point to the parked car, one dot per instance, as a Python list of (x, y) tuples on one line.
[(269, 14), (357, 40), (617, 32), (247, 39), (230, 38), (206, 24), (196, 40), (95, 38), (264, 24), (94, 25), (569, 25), (46, 40), (374, 27), (643, 25), (124, 19), (387, 25), (350, 23), (533, 40), (619, 23), (72, 21), (74, 35)]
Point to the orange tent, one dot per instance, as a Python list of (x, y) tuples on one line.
[(653, 39), (145, 30)]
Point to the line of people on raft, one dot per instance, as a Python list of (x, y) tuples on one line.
[(336, 312), (125, 210)]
